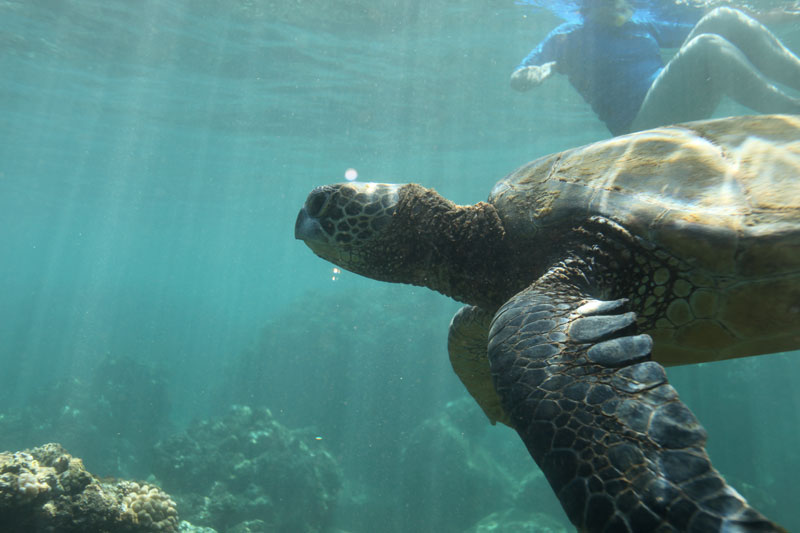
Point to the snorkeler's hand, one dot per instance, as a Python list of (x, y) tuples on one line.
[(529, 77)]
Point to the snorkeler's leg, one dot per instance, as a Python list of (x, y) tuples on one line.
[(696, 78), (755, 41)]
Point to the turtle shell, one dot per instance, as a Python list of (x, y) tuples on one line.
[(721, 197)]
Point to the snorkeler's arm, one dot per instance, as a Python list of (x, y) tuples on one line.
[(526, 78)]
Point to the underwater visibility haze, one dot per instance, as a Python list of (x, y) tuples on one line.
[(160, 322)]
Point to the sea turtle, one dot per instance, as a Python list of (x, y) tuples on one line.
[(583, 274)]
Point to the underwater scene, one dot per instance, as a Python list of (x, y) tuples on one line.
[(173, 358)]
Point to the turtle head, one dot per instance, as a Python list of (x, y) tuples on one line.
[(408, 234), (347, 224)]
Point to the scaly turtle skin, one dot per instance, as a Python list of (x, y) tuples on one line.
[(584, 273)]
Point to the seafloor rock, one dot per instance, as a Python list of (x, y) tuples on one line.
[(46, 489), (186, 527), (443, 467), (456, 460), (517, 521), (246, 466)]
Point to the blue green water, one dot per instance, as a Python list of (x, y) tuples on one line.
[(153, 156)]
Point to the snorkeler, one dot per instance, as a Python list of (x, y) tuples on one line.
[(614, 61)]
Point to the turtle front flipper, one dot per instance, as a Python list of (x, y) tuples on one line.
[(619, 448)]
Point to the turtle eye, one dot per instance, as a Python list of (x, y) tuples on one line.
[(316, 202)]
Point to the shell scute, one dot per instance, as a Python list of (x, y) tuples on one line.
[(723, 194), (715, 208)]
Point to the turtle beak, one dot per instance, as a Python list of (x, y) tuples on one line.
[(307, 228)]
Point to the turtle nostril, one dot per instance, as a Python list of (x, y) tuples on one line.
[(316, 202)]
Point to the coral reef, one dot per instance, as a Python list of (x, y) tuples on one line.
[(111, 417), (46, 489), (361, 382), (146, 505), (246, 466)]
